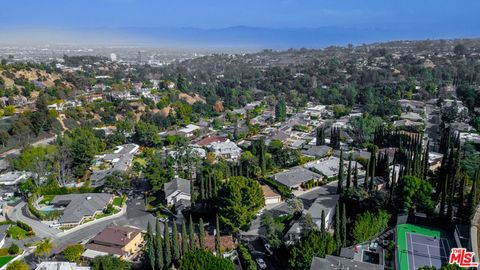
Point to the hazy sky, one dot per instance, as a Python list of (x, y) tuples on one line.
[(285, 23), (225, 13)]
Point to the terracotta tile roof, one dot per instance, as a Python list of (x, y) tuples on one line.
[(116, 235), (226, 242), (210, 139)]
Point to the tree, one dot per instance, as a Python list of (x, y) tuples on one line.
[(343, 222), (13, 249), (36, 159), (274, 230), (73, 252), (349, 172), (320, 136), (43, 248), (116, 181), (147, 134), (191, 234), (168, 246), (368, 225), (184, 239), (159, 258), (17, 265), (322, 225), (413, 192), (4, 137), (109, 262), (175, 244), (460, 49), (238, 200), (337, 234), (340, 174), (218, 247), (312, 244), (281, 110), (201, 259), (201, 234)]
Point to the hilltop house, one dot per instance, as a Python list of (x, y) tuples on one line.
[(227, 150), (123, 242), (79, 207)]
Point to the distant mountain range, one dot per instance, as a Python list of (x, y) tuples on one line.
[(231, 37)]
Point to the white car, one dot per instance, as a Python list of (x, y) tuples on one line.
[(261, 263), (54, 225), (163, 219)]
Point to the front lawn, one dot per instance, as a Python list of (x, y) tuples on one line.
[(118, 201), (5, 259), (17, 233)]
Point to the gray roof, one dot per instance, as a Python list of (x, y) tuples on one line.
[(317, 150), (323, 203), (81, 205), (175, 185), (121, 159), (338, 263), (295, 176)]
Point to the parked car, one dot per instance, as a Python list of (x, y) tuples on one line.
[(261, 263), (162, 219), (55, 225), (269, 249)]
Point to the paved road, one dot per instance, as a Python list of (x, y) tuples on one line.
[(41, 229)]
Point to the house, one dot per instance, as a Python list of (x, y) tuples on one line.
[(411, 105), (326, 204), (120, 160), (13, 178), (271, 197), (331, 262), (328, 167), (123, 242), (227, 149), (177, 191), (412, 116), (317, 151), (60, 266), (189, 130), (226, 242), (295, 177), (79, 207), (208, 140)]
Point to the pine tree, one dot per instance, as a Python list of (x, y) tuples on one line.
[(201, 235), (160, 261), (344, 225), (349, 171), (175, 244), (167, 245), (338, 228), (322, 226), (184, 239), (191, 234), (340, 175), (217, 237)]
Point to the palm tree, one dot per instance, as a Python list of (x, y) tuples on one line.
[(44, 248)]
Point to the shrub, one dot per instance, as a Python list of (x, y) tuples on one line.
[(247, 261), (73, 252), (13, 249), (3, 252)]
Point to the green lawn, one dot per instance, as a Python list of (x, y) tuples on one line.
[(5, 259), (46, 199), (17, 233), (402, 231), (118, 201)]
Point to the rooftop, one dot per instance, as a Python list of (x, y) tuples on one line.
[(79, 206), (295, 176), (177, 184)]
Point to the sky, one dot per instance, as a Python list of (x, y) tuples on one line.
[(421, 18)]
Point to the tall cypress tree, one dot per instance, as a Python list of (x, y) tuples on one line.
[(340, 174), (184, 239), (201, 234), (192, 191), (472, 197), (160, 261), (320, 136), (175, 244), (349, 171), (167, 245), (217, 237), (338, 228), (322, 226), (344, 225), (191, 234), (461, 199), (365, 181), (262, 156), (150, 247)]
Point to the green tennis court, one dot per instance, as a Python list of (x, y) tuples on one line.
[(419, 246)]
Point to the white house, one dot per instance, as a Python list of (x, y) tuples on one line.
[(227, 149), (177, 190), (13, 178)]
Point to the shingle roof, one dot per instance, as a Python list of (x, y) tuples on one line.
[(317, 150), (295, 176), (177, 184), (116, 235), (81, 205)]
